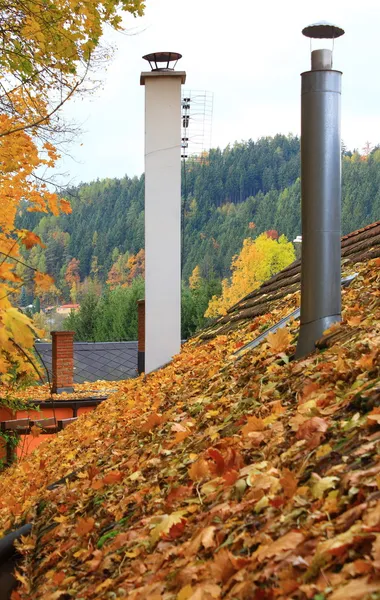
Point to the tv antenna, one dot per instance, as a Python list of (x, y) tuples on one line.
[(197, 109), (196, 115)]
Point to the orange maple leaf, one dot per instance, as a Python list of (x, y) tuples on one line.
[(253, 424), (152, 421), (280, 340), (199, 470), (30, 239), (43, 281), (84, 526)]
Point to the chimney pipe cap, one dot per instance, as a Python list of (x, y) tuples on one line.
[(160, 61), (323, 30)]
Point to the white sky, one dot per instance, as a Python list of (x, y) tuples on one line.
[(250, 54)]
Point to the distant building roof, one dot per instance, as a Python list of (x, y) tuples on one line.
[(93, 361)]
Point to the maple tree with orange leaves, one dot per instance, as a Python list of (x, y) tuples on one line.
[(48, 50)]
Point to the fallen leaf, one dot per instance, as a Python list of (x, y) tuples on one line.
[(356, 589), (84, 526), (280, 340), (322, 484), (253, 424), (199, 470), (152, 421), (289, 483)]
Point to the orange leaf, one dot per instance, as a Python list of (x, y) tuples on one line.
[(65, 206), (253, 424), (289, 483), (43, 281), (219, 461), (6, 273), (58, 577), (310, 427), (177, 494), (30, 239), (180, 436), (113, 477), (231, 476), (199, 470), (152, 421), (84, 526)]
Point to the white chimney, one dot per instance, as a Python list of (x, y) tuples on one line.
[(162, 209)]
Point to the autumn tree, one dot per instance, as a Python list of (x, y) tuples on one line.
[(72, 277), (258, 260), (47, 51)]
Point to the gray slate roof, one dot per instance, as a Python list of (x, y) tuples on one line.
[(111, 361)]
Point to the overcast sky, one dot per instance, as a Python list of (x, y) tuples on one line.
[(249, 54)]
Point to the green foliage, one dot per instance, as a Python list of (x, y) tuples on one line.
[(194, 305), (110, 317), (236, 193)]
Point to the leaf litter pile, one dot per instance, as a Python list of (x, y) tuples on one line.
[(254, 479)]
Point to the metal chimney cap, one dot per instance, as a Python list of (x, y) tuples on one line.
[(323, 30), (154, 58)]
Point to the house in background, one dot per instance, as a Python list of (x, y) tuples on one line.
[(65, 309)]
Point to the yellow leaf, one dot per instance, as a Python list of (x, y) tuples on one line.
[(166, 523), (280, 340), (185, 592), (6, 273), (19, 326), (322, 484)]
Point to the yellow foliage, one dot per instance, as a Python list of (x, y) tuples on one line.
[(258, 260), (195, 278), (47, 49)]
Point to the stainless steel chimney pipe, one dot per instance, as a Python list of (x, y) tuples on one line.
[(321, 191)]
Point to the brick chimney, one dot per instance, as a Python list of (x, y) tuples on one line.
[(63, 361), (140, 336)]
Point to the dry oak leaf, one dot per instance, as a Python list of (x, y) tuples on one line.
[(280, 340), (287, 542), (199, 470), (222, 567), (206, 591), (374, 416)]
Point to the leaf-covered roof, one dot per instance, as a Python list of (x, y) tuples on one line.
[(254, 479), (358, 246)]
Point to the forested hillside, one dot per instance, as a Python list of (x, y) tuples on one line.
[(234, 194)]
